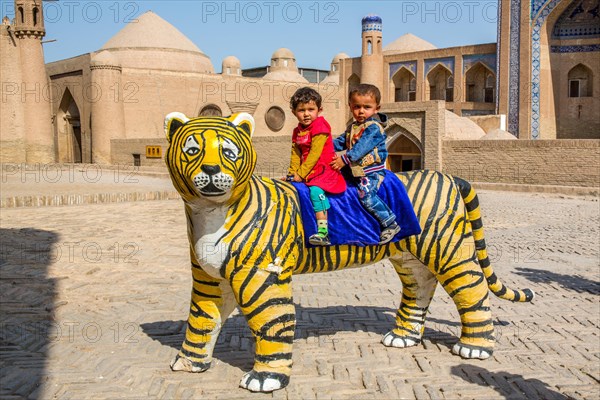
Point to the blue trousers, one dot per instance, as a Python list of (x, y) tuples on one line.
[(367, 194)]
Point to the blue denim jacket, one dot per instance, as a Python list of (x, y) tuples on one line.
[(372, 137)]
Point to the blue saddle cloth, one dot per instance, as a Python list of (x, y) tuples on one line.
[(349, 223)]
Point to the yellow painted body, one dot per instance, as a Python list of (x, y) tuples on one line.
[(246, 242)]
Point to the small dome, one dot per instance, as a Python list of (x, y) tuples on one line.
[(371, 18), (283, 67), (499, 134), (407, 44), (461, 128), (231, 61), (372, 22), (338, 57), (105, 58), (282, 53), (231, 66)]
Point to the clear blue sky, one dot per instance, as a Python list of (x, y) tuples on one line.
[(252, 30)]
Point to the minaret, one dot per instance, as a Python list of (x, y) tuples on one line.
[(35, 94), (12, 129), (371, 59)]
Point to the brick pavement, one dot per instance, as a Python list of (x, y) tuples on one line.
[(95, 298)]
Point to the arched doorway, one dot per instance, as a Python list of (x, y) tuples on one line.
[(440, 82), (68, 126), (479, 84), (404, 152), (404, 85)]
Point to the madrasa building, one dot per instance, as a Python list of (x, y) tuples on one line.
[(448, 108)]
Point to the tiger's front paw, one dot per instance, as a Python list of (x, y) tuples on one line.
[(182, 363), (466, 351), (393, 340), (264, 381)]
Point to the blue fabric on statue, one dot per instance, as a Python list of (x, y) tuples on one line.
[(350, 223)]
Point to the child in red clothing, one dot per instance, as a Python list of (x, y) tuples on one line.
[(312, 151)]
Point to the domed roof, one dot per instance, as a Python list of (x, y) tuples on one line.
[(461, 128), (231, 66), (282, 53), (338, 57), (231, 61), (499, 134), (143, 44), (371, 18), (105, 58), (152, 31), (407, 44)]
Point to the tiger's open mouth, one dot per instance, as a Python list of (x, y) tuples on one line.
[(211, 190), (216, 184)]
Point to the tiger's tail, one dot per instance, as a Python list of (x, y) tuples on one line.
[(494, 284)]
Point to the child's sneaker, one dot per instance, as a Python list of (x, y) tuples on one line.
[(319, 239), (388, 233)]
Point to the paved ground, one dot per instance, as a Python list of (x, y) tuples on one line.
[(95, 297)]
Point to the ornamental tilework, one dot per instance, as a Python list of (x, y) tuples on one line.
[(581, 19), (575, 49), (536, 29), (409, 65), (514, 68), (489, 60), (536, 6), (498, 47), (447, 62)]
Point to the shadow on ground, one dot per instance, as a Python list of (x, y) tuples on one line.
[(235, 344), (27, 296), (576, 283), (511, 386)]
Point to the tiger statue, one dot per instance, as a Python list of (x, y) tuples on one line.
[(247, 240)]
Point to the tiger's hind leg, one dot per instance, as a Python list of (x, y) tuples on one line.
[(212, 302), (466, 285), (418, 287), (265, 299)]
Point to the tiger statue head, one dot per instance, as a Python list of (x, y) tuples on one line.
[(210, 158)]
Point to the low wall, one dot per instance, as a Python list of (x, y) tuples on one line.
[(533, 162)]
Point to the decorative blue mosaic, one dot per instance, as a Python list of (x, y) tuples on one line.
[(575, 49), (409, 65), (489, 60), (372, 22), (498, 42), (515, 67), (536, 6), (447, 62), (536, 29), (581, 19)]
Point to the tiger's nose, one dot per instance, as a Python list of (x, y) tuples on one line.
[(210, 169)]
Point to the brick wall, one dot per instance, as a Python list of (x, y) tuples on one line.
[(534, 162)]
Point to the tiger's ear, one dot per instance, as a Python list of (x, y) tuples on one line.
[(244, 121), (174, 121)]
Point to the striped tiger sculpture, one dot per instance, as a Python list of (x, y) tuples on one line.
[(246, 241)]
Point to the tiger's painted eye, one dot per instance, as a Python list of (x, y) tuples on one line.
[(192, 151), (230, 154)]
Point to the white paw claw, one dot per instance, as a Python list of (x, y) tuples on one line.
[(392, 340), (262, 382), (183, 364), (466, 352)]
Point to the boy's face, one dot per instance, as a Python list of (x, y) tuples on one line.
[(363, 107), (307, 112)]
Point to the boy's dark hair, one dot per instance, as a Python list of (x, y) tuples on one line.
[(305, 95), (365, 89)]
